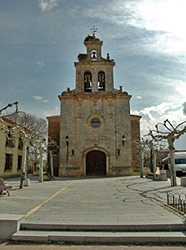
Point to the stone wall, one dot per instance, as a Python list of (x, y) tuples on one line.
[(136, 157), (54, 127), (94, 68), (73, 169), (76, 114)]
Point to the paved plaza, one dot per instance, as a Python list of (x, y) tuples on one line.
[(92, 202), (118, 200)]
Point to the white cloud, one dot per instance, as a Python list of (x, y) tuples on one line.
[(39, 98), (41, 63), (159, 113), (178, 95), (47, 5), (163, 15), (139, 97), (166, 16), (181, 89), (49, 112), (184, 108)]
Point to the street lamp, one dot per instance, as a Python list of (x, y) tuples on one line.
[(67, 140), (123, 140)]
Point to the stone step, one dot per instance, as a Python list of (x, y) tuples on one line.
[(100, 237), (103, 227)]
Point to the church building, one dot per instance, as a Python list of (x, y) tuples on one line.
[(95, 130)]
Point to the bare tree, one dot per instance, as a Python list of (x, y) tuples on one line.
[(4, 109), (53, 149), (3, 115), (166, 131), (38, 129), (39, 143), (15, 131), (155, 147), (33, 132), (142, 145), (37, 126)]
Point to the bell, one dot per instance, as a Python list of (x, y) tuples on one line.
[(94, 55), (87, 85), (102, 85)]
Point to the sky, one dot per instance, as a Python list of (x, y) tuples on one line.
[(41, 39)]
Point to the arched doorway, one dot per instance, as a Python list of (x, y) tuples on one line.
[(95, 163)]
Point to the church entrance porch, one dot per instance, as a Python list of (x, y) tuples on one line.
[(95, 163)]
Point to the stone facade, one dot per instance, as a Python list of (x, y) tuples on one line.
[(96, 128), (135, 128)]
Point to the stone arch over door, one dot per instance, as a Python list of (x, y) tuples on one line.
[(96, 162)]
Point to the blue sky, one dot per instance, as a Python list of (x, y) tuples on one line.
[(40, 40)]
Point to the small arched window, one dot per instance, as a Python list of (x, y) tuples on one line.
[(101, 81), (93, 55), (88, 82)]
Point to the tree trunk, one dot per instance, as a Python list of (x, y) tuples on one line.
[(151, 159), (41, 165), (51, 165), (172, 168), (142, 164), (23, 164), (154, 164)]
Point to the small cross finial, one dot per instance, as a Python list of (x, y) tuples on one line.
[(93, 30)]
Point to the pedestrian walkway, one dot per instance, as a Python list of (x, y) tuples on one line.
[(120, 200), (153, 189), (93, 210)]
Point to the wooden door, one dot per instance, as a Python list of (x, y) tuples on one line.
[(95, 163)]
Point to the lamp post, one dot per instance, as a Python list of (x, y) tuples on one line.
[(67, 143), (123, 140), (67, 140)]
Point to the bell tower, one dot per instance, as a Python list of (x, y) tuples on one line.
[(96, 129), (93, 72)]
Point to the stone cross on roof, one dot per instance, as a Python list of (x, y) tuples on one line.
[(93, 30)]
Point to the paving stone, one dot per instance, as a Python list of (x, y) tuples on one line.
[(120, 199)]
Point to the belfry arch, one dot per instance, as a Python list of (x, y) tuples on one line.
[(87, 81), (101, 80)]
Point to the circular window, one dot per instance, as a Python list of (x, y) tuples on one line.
[(95, 122)]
